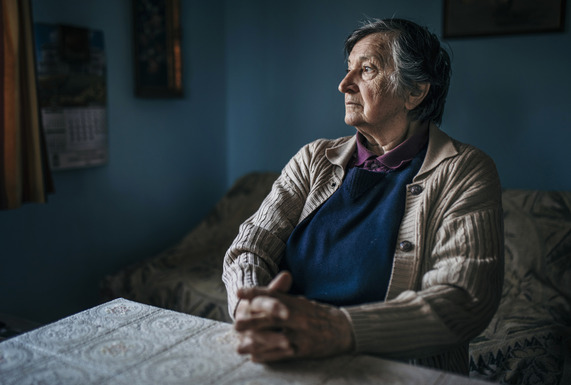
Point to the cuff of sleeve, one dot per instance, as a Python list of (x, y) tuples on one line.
[(396, 329), (239, 276), (350, 320), (365, 329)]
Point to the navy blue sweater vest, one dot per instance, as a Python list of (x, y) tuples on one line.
[(342, 254)]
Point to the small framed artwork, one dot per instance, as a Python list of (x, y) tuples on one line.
[(464, 18), (157, 48)]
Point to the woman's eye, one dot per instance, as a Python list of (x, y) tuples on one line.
[(367, 68)]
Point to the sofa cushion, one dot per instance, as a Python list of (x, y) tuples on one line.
[(526, 341)]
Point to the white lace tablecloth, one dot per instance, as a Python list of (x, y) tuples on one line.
[(125, 342)]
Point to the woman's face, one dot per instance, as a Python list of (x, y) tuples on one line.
[(370, 104)]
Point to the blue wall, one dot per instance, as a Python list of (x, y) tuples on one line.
[(509, 95), (167, 168), (261, 79)]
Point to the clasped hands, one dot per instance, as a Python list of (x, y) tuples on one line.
[(276, 326)]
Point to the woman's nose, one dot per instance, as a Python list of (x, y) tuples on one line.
[(347, 85)]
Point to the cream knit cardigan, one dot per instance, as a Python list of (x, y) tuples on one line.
[(447, 273)]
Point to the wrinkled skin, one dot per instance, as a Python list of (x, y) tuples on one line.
[(276, 326)]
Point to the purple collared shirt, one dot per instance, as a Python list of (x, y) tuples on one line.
[(392, 160)]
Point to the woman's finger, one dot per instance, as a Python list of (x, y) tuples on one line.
[(270, 306), (260, 343), (261, 313), (282, 282), (249, 293), (274, 355)]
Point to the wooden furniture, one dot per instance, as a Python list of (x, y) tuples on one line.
[(126, 342)]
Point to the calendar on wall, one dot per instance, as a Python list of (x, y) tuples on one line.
[(72, 95)]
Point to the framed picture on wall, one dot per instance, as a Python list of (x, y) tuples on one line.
[(157, 48), (463, 18)]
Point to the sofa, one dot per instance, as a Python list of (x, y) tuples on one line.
[(527, 342)]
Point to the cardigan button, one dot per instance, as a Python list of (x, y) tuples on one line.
[(405, 246), (415, 189)]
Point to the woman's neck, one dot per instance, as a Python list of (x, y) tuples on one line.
[(385, 142)]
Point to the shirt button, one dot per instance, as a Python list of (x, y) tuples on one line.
[(415, 189), (405, 246)]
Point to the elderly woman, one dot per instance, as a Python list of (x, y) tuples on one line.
[(387, 242)]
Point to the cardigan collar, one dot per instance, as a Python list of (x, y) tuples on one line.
[(440, 147)]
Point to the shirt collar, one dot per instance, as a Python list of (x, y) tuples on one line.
[(392, 160)]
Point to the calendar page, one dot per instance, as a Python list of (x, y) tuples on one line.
[(73, 95), (76, 137)]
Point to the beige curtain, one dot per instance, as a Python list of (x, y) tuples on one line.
[(24, 172)]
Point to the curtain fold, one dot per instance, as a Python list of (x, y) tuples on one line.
[(24, 170)]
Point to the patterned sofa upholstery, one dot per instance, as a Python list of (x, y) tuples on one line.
[(527, 342), (529, 338), (186, 277)]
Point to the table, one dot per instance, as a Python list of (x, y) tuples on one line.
[(125, 342)]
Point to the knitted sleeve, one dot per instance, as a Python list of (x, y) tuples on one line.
[(456, 271), (254, 256)]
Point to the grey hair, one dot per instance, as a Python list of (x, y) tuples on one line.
[(418, 57)]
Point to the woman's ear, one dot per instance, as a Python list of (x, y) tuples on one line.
[(416, 97)]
